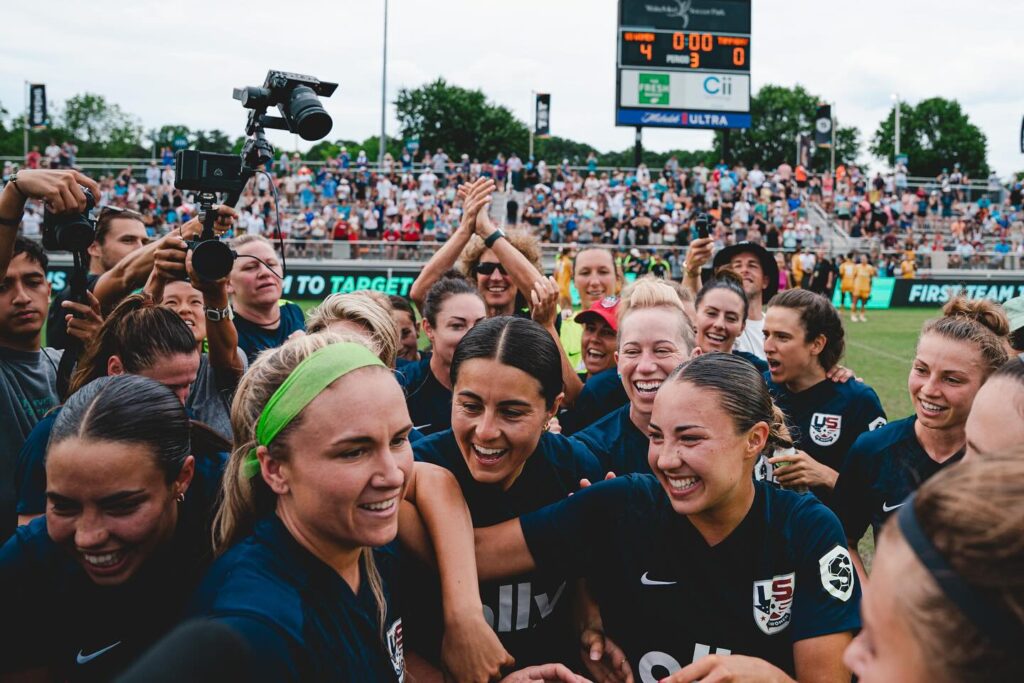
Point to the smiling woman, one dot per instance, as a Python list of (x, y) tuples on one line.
[(98, 579), (955, 356), (700, 536), (507, 375)]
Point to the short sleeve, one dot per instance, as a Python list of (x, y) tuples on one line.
[(566, 536), (30, 473), (852, 500), (827, 596)]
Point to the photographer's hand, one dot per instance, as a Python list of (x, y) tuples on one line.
[(83, 320), (61, 191), (226, 217), (221, 335)]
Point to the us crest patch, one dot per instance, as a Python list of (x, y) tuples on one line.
[(773, 602), (825, 428)]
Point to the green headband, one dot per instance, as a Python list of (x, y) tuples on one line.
[(305, 383)]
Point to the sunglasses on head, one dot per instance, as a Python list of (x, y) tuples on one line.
[(117, 210), (489, 268)]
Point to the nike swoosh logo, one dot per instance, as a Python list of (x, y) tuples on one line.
[(890, 508), (652, 582), (85, 659), (420, 428)]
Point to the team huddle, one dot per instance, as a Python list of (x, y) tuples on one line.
[(667, 484)]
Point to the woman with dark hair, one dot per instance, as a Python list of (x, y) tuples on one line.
[(944, 603), (507, 386), (804, 340), (698, 569), (450, 310), (955, 356), (721, 314), (105, 573), (137, 338)]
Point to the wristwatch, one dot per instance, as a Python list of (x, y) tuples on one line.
[(493, 237), (218, 314)]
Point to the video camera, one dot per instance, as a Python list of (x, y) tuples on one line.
[(207, 173)]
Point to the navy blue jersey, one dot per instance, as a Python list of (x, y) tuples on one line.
[(429, 403), (58, 618), (882, 468), (827, 418), (301, 620), (530, 612), (601, 394), (253, 338), (668, 598), (619, 446), (760, 363)]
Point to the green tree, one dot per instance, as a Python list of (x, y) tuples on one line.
[(165, 135), (460, 121), (101, 128), (934, 134), (779, 115), (212, 141)]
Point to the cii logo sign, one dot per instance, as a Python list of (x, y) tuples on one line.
[(653, 89), (718, 85)]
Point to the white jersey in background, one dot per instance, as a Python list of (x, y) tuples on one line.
[(751, 339)]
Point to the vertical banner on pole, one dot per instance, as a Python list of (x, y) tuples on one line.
[(543, 115), (823, 126), (804, 147), (37, 106)]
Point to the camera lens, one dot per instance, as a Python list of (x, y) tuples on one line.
[(306, 116), (212, 259)]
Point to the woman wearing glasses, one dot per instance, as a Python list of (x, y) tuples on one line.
[(504, 266)]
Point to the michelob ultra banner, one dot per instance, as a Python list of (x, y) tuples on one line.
[(543, 115)]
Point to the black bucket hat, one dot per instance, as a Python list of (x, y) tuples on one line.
[(768, 265)]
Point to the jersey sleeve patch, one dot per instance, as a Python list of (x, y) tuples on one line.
[(837, 575), (879, 421)]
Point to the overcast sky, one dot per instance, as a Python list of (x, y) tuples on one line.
[(176, 62)]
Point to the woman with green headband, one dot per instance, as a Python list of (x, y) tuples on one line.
[(311, 505)]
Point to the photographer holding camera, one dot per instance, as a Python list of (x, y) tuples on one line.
[(28, 372), (119, 232)]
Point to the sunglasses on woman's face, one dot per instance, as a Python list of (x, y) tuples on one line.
[(487, 269)]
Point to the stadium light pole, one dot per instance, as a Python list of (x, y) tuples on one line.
[(896, 98), (384, 93)]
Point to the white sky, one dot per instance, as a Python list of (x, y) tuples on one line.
[(177, 61)]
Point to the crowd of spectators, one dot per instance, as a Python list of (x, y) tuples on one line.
[(411, 200)]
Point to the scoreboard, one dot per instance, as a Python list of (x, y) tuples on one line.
[(683, 63)]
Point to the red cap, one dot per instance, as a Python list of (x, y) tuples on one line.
[(606, 309)]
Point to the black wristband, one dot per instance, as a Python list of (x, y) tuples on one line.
[(12, 222), (493, 237)]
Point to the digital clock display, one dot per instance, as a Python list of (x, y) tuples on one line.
[(684, 50)]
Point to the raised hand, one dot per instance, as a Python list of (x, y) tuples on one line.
[(60, 190)]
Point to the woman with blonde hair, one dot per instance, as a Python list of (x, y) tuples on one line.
[(655, 336), (311, 501), (358, 313)]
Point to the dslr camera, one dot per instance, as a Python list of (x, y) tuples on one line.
[(297, 99), (72, 232)]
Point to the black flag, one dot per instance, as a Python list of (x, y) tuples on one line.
[(37, 106), (823, 126), (543, 118)]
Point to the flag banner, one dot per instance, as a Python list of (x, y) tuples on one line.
[(823, 126), (543, 117), (37, 106)]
